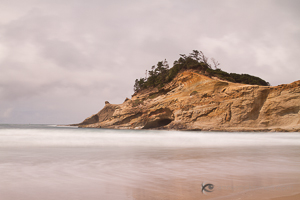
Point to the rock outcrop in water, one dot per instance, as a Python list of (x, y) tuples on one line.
[(193, 101)]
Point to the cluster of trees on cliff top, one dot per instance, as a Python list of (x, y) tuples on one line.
[(161, 74)]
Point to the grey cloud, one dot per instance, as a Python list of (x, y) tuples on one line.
[(60, 60), (65, 54)]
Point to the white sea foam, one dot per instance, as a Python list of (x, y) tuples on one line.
[(68, 136)]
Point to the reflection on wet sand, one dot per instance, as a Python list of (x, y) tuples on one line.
[(54, 164), (241, 171), (148, 173)]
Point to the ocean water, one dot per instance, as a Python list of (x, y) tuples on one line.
[(52, 163)]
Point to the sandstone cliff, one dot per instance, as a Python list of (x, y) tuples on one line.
[(193, 101)]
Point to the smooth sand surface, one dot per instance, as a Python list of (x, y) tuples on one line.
[(277, 192), (148, 173), (293, 197), (66, 163)]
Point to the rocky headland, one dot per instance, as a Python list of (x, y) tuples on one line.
[(195, 101)]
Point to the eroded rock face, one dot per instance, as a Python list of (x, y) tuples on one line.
[(193, 101)]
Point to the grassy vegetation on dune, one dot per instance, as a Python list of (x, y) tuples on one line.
[(161, 74)]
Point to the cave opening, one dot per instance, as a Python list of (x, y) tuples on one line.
[(157, 123)]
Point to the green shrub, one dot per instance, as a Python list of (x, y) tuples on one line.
[(137, 102), (237, 78), (153, 96), (160, 74)]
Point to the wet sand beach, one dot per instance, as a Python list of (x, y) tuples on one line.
[(63, 163), (293, 197)]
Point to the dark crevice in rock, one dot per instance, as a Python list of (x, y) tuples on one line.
[(228, 114), (157, 123), (165, 111), (290, 110), (220, 86), (207, 112), (258, 104)]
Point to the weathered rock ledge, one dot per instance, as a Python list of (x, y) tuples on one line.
[(193, 101)]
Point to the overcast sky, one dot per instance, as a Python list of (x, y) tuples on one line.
[(61, 59)]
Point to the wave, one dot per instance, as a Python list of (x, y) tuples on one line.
[(70, 136)]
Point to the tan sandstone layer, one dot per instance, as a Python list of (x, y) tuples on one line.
[(193, 101)]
